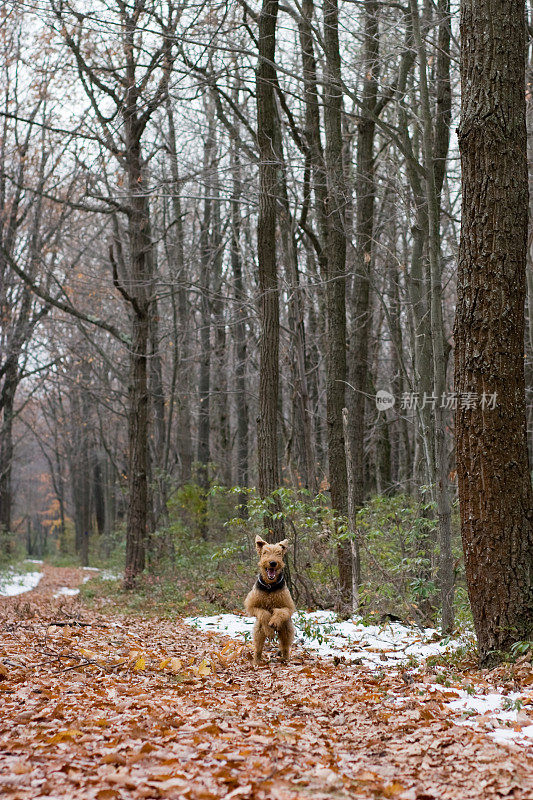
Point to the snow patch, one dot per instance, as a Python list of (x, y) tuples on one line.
[(66, 592), (371, 645), (499, 714), (14, 583), (109, 575), (104, 574)]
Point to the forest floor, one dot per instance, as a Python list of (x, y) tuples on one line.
[(96, 704)]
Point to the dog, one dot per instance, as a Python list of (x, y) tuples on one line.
[(270, 601)]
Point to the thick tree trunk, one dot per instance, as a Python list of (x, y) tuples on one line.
[(267, 428), (492, 463), (136, 531), (336, 287), (140, 297), (529, 267)]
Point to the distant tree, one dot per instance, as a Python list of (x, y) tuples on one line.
[(492, 461), (123, 87)]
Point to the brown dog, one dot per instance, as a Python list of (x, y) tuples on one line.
[(270, 601)]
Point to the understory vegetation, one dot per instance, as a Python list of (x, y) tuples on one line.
[(202, 558)]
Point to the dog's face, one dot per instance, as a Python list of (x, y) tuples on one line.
[(270, 558)]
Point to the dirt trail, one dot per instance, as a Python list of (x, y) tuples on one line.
[(107, 706)]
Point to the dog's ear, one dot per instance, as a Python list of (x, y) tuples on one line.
[(284, 544), (259, 543)]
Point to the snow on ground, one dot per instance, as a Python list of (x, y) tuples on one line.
[(499, 713), (370, 645), (103, 574), (109, 575), (394, 645), (64, 591), (13, 583)]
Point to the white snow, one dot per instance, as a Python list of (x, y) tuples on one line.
[(370, 645), (103, 574), (33, 561), (64, 591), (14, 583), (497, 712), (109, 575)]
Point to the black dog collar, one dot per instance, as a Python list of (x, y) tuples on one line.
[(270, 587)]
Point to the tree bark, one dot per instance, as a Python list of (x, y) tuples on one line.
[(365, 190), (336, 287), (141, 288), (267, 427), (495, 493)]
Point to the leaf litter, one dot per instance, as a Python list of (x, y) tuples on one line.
[(105, 706), (394, 644)]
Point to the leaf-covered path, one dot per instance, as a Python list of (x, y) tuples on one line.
[(107, 706)]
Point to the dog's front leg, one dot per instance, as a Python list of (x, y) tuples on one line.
[(280, 617), (262, 616), (286, 638), (259, 641)]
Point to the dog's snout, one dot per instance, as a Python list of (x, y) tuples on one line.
[(272, 564)]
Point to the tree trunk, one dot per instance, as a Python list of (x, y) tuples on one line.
[(204, 386), (336, 287), (495, 494), (181, 367), (9, 389), (137, 520), (267, 427), (302, 421), (80, 462), (159, 478), (220, 417), (98, 494), (365, 189), (140, 288), (239, 329)]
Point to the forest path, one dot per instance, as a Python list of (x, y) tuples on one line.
[(106, 706)]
